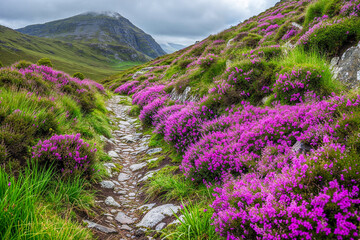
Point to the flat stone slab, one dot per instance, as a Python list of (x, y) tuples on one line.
[(123, 177), (110, 201), (107, 184), (129, 138), (160, 226), (137, 167), (99, 227), (156, 215), (113, 154), (124, 219), (153, 151)]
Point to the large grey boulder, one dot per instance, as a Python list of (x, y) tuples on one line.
[(347, 68), (156, 215)]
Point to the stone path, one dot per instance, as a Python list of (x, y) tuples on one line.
[(122, 212)]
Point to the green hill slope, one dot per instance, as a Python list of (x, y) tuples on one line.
[(69, 57), (256, 115)]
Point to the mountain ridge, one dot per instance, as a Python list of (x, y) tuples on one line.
[(105, 28)]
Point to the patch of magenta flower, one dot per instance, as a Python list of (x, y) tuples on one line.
[(70, 154), (57, 77), (149, 111), (147, 95), (126, 87)]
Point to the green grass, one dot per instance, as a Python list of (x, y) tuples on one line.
[(196, 224), (125, 65), (299, 56), (24, 217)]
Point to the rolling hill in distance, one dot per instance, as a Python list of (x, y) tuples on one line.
[(98, 44)]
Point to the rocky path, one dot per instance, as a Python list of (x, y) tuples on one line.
[(122, 212)]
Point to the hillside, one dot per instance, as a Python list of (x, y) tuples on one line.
[(258, 126), (69, 57), (107, 31)]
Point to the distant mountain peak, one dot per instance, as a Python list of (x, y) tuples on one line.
[(104, 28), (104, 13)]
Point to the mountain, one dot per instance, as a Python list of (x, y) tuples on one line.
[(69, 57), (107, 31), (171, 47), (264, 115)]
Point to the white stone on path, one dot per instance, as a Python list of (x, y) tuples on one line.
[(137, 167), (123, 177), (107, 184), (160, 226), (156, 215), (110, 201), (113, 154), (124, 219)]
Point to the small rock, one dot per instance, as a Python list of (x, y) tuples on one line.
[(177, 220), (160, 226), (113, 211), (137, 167), (156, 215), (107, 184), (132, 194), (153, 151), (148, 175), (152, 160), (140, 232), (99, 227), (110, 201), (124, 219), (123, 177), (113, 154), (129, 138), (125, 227)]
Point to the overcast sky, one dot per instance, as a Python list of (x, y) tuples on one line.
[(176, 21)]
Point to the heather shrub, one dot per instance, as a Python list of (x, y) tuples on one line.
[(10, 77), (316, 9), (182, 127), (148, 94), (184, 63), (248, 80), (333, 38), (78, 75), (291, 86), (3, 152), (22, 64), (160, 118), (68, 154), (147, 113), (16, 143), (126, 87), (44, 62), (252, 40)]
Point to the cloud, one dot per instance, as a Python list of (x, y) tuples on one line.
[(187, 20)]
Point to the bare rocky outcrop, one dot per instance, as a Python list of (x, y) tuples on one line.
[(347, 68), (184, 96)]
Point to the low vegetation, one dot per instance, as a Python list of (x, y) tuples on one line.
[(49, 126)]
